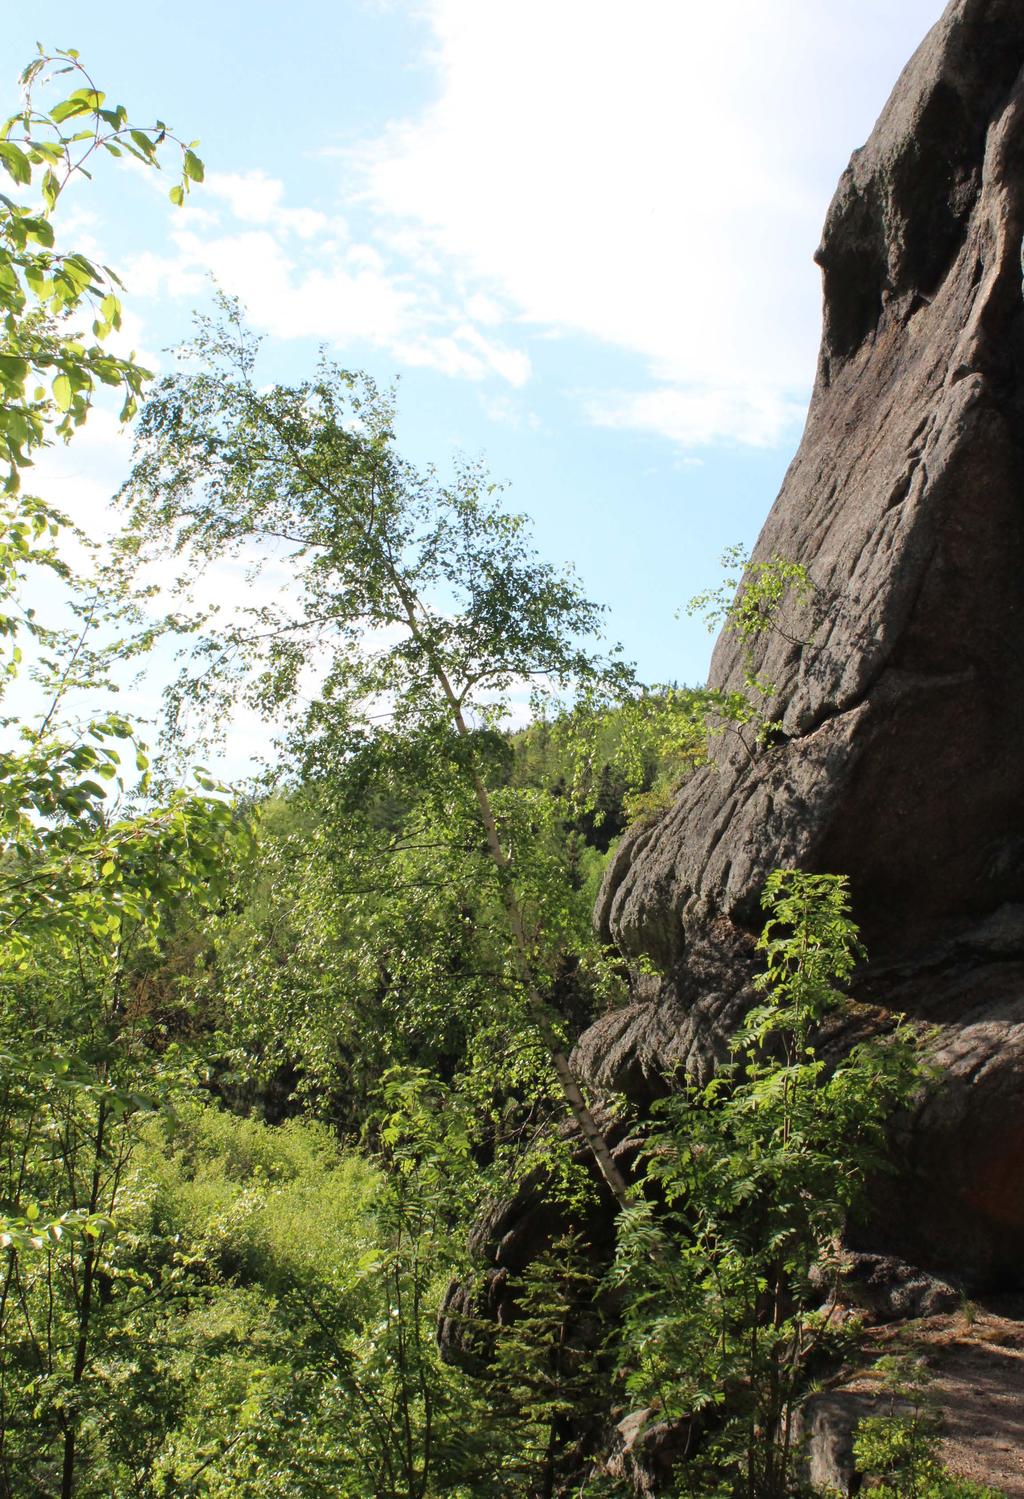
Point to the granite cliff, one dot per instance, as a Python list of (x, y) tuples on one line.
[(899, 688)]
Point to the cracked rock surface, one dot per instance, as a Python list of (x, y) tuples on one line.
[(899, 687)]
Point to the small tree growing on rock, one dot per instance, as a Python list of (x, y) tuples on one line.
[(758, 1172)]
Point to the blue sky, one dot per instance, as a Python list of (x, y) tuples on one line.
[(579, 232)]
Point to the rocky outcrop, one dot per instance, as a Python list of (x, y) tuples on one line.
[(899, 689), (883, 1288), (646, 1452), (824, 1432)]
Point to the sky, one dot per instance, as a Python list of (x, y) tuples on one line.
[(579, 233)]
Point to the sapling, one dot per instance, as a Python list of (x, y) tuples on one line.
[(758, 1172)]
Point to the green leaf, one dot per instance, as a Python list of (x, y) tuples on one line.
[(62, 393), (16, 162), (13, 369), (50, 187), (92, 98), (68, 109), (144, 143), (39, 229), (194, 169)]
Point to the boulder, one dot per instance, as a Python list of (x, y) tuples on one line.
[(646, 1453), (898, 689), (887, 1289), (824, 1430)]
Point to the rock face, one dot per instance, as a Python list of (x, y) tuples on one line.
[(900, 687)]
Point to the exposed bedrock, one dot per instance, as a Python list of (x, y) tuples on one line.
[(900, 686)]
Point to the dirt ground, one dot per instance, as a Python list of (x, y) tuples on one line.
[(976, 1358)]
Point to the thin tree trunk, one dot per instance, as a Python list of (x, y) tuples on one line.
[(571, 1090), (67, 1482)]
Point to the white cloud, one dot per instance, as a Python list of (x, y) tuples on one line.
[(80, 476), (255, 198), (702, 416), (151, 275), (654, 182), (484, 309), (342, 292), (345, 299), (130, 341), (654, 178), (506, 411)]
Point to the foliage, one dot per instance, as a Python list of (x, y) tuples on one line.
[(747, 605), (83, 910), (225, 1223), (343, 954), (48, 372), (625, 758), (312, 1280), (747, 601), (427, 608), (899, 1450), (547, 1383), (87, 884), (340, 960), (758, 1172), (72, 878)]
